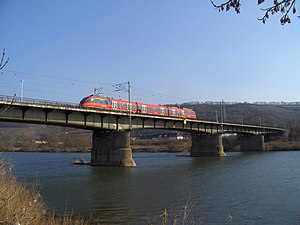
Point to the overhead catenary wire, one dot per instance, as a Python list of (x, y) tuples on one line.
[(72, 86)]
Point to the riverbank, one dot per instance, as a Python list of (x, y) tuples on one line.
[(21, 204), (281, 145), (185, 145), (149, 145)]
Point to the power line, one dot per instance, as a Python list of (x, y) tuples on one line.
[(162, 95), (54, 77), (73, 81)]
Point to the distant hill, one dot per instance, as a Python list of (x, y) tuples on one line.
[(280, 115)]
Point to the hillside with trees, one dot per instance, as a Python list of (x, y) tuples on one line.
[(278, 114)]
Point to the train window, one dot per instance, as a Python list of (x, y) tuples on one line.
[(91, 100), (129, 106), (114, 105), (108, 102)]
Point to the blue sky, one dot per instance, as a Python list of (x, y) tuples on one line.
[(171, 51)]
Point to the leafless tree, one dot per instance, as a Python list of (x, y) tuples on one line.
[(2, 65), (283, 6)]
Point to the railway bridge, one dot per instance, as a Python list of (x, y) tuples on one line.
[(111, 129)]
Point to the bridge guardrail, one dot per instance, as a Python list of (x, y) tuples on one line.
[(36, 101)]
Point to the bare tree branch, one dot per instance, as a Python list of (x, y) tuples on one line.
[(2, 59)]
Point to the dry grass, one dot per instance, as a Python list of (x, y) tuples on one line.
[(281, 145), (21, 205), (179, 216)]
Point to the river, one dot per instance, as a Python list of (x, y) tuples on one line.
[(242, 188)]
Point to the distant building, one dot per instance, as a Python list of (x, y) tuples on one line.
[(164, 136), (41, 142)]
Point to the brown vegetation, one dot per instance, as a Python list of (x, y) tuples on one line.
[(288, 143), (20, 204)]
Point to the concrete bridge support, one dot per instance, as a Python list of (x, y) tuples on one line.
[(252, 143), (207, 145), (111, 149)]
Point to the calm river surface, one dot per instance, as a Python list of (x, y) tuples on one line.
[(242, 188)]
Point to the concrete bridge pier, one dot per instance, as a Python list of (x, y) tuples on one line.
[(207, 145), (252, 143), (111, 148)]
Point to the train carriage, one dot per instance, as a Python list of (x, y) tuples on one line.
[(99, 102)]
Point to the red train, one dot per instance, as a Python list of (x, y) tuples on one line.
[(94, 101)]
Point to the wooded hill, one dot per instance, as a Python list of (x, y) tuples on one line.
[(279, 115)]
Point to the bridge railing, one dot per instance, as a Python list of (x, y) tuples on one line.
[(36, 101)]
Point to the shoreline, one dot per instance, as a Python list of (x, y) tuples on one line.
[(170, 147)]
